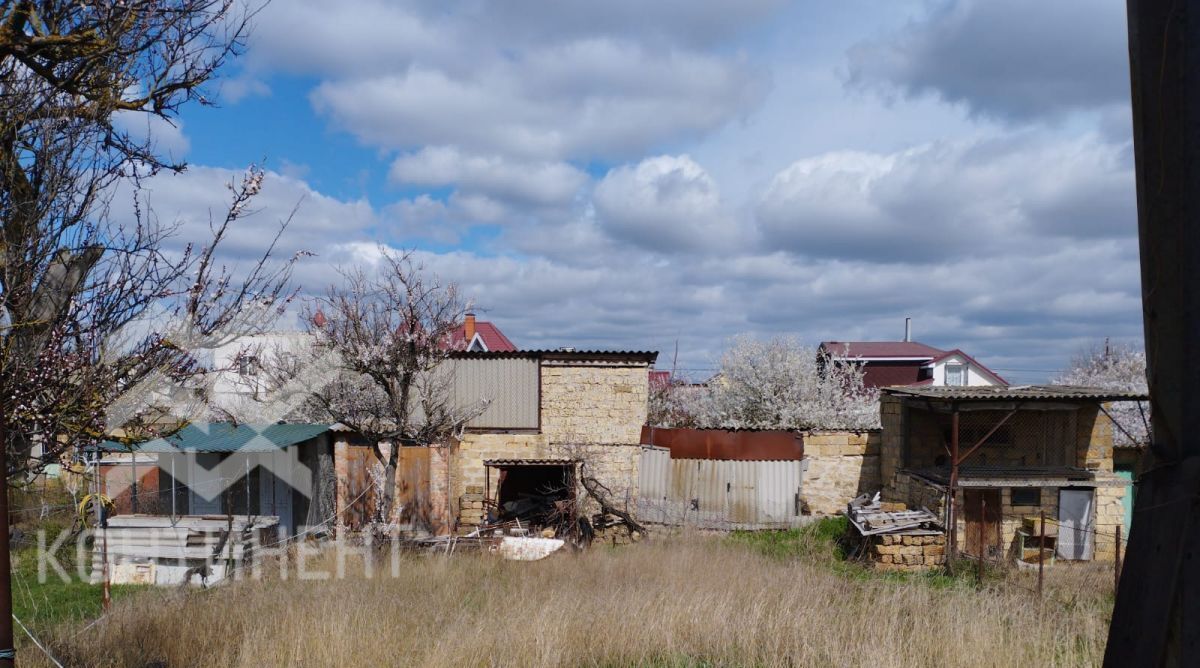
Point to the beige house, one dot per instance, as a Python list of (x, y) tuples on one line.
[(1005, 455)]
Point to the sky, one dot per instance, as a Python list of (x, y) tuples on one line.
[(668, 175)]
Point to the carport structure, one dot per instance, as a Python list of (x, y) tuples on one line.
[(1005, 453)]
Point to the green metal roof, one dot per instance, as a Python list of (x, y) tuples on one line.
[(226, 437)]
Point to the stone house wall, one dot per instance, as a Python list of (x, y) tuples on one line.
[(594, 402), (590, 411), (841, 465)]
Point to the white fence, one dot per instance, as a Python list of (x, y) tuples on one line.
[(712, 494)]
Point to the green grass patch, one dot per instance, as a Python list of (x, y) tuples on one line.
[(821, 540), (824, 542)]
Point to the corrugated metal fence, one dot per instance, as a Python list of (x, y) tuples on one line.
[(718, 494)]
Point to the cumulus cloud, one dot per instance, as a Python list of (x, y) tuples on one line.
[(665, 203), (946, 200), (538, 153), (540, 183), (191, 201), (1015, 60), (594, 98)]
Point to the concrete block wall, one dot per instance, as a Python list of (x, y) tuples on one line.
[(841, 465)]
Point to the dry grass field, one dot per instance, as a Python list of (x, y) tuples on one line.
[(675, 601)]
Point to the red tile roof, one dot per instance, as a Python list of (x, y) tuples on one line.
[(493, 338)]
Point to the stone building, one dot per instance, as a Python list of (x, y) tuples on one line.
[(1006, 454), (552, 418)]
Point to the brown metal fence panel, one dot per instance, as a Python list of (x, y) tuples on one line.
[(726, 444)]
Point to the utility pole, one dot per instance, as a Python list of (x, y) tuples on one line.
[(1156, 620), (7, 652)]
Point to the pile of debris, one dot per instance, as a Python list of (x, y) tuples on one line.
[(511, 540), (895, 538)]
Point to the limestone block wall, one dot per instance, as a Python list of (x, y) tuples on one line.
[(614, 465), (841, 465), (914, 494), (1095, 439), (1110, 514), (594, 402), (907, 553), (468, 476)]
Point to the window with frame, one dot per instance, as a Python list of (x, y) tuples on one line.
[(1025, 496), (956, 375)]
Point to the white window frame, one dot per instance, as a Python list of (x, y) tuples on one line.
[(959, 367)]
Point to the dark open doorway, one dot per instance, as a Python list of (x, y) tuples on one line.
[(539, 495)]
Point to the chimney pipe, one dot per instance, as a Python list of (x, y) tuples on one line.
[(907, 330), (469, 327)]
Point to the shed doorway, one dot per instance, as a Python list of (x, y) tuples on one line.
[(537, 494), (982, 513), (1075, 524)]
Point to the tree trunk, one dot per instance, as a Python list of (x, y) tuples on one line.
[(389, 485)]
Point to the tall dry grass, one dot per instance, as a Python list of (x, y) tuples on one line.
[(671, 602)]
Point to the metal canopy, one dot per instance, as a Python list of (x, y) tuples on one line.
[(225, 437), (529, 462), (1019, 393)]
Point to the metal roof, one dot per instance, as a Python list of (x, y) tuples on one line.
[(529, 462), (1017, 393), (887, 349), (646, 356), (226, 437)]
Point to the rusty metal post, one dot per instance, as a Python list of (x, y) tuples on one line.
[(133, 499), (1041, 550), (1117, 563), (952, 523), (979, 557), (1156, 619)]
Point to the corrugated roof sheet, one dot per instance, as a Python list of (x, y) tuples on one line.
[(529, 462), (645, 356), (227, 437), (1017, 393)]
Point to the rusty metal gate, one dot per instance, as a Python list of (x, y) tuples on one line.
[(719, 494)]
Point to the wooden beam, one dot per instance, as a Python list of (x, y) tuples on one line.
[(983, 440)]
